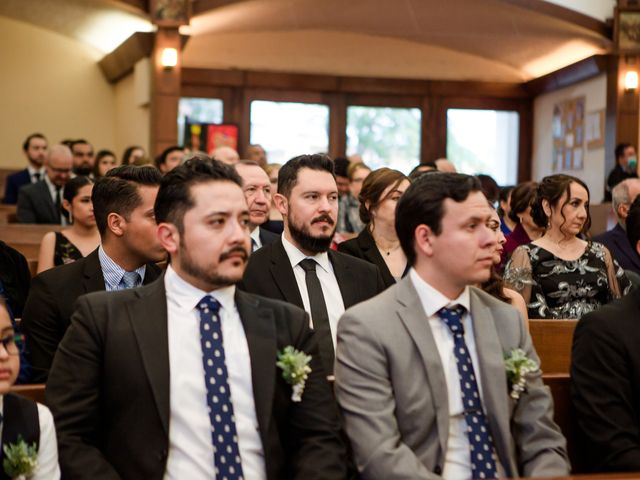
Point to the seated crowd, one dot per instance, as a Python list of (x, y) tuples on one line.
[(214, 317)]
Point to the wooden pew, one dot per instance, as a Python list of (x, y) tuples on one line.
[(34, 391), (552, 340), (26, 238), (7, 214)]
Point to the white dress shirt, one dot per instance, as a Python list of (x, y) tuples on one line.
[(328, 282), (457, 462), (190, 444), (48, 468), (255, 236), (40, 171)]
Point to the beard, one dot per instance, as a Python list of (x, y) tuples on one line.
[(308, 242), (210, 275), (83, 169)]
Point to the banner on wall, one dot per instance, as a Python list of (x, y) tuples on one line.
[(206, 137), (568, 135)]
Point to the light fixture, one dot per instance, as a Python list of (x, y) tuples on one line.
[(631, 80), (169, 59)]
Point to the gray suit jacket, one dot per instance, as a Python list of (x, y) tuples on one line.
[(392, 390), (35, 204)]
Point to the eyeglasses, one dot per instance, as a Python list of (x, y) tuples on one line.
[(13, 344)]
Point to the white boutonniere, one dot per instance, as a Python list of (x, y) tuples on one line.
[(20, 459), (518, 366), (295, 370)]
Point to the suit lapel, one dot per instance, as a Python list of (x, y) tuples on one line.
[(93, 280), (148, 318), (283, 276), (415, 320), (260, 330), (346, 281), (46, 198), (493, 379)]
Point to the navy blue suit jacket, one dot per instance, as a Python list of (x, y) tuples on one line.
[(14, 182), (618, 244)]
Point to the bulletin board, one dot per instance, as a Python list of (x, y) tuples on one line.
[(568, 135)]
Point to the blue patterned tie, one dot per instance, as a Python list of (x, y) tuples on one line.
[(226, 453), (129, 280), (483, 464)]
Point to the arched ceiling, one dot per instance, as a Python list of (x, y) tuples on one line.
[(493, 40)]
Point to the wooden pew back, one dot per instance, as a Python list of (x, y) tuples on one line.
[(34, 391), (26, 238), (552, 340)]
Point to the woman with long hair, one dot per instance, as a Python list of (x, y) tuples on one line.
[(378, 242), (81, 238), (560, 275)]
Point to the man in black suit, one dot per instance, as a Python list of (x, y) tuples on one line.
[(257, 192), (35, 149), (300, 268), (40, 202), (178, 379), (605, 377), (123, 206), (615, 239)]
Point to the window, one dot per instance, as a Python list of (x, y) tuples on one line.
[(289, 129), (198, 110), (384, 136), (484, 141)]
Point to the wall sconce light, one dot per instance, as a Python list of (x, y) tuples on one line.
[(169, 59), (631, 81)]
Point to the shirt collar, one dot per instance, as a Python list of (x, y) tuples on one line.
[(255, 234), (32, 170), (296, 256), (187, 296), (432, 300), (112, 272)]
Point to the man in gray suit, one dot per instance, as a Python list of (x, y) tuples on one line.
[(420, 369), (40, 202)]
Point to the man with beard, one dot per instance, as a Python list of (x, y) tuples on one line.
[(178, 379), (83, 159), (299, 267), (257, 192), (35, 149)]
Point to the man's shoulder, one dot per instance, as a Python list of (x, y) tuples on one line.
[(19, 176), (60, 276), (619, 314), (355, 263), (267, 237), (33, 189), (259, 301)]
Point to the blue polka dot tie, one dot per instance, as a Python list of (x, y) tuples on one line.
[(226, 453), (483, 464)]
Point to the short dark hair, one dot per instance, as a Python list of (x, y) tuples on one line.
[(27, 141), (117, 191), (522, 196), (340, 166), (422, 204), (633, 223), (80, 141), (99, 156), (551, 189), (162, 158), (490, 187), (71, 189), (620, 148), (288, 174), (373, 187), (174, 197)]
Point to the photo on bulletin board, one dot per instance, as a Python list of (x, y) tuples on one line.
[(206, 137), (568, 127)]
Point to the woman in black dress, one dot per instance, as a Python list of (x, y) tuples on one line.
[(377, 242), (560, 275)]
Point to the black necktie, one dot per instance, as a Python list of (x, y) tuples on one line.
[(36, 177), (58, 199), (319, 314)]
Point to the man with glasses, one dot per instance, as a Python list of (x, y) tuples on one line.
[(40, 202)]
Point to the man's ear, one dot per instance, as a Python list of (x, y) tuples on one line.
[(623, 211), (281, 204), (116, 223), (423, 240), (169, 237)]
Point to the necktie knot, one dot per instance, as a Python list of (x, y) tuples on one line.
[(131, 279), (36, 176), (308, 265), (452, 317), (208, 305)]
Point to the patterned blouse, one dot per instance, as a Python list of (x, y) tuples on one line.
[(554, 288), (65, 251)]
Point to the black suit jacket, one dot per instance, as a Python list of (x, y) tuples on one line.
[(113, 423), (15, 181), (364, 246), (51, 300), (35, 205), (618, 244), (269, 274), (605, 385), (267, 237)]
